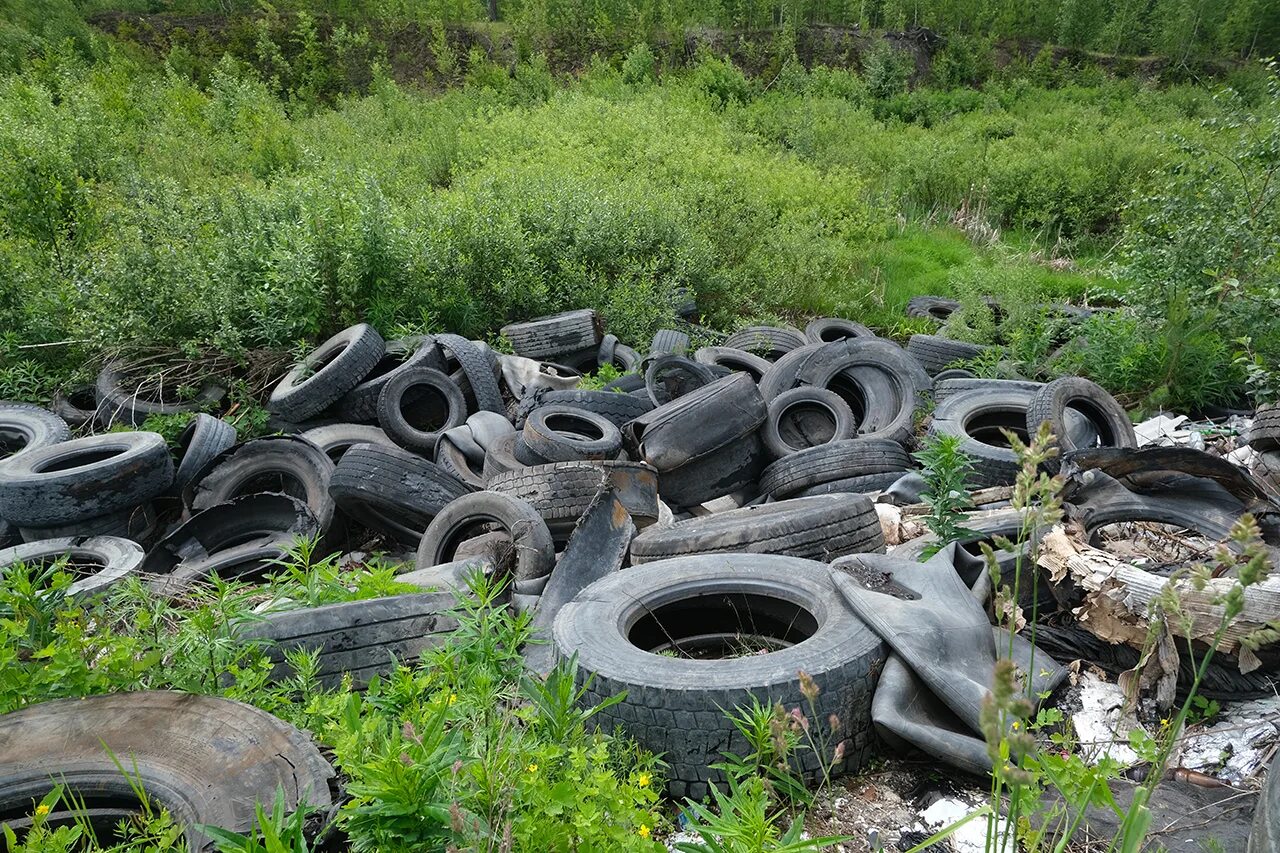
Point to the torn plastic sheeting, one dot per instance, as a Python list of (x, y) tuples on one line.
[(1103, 723), (1238, 743), (972, 837), (520, 373)]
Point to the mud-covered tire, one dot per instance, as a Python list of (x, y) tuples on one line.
[(936, 354), (562, 492), (360, 404), (97, 562), (1264, 432), (84, 478), (535, 554), (806, 417), (207, 761), (203, 438), (416, 398), (279, 463), (828, 330), (356, 638), (559, 433), (838, 460), (328, 373), (547, 338), (24, 428), (1108, 418), (817, 528), (676, 706), (392, 491), (769, 342)]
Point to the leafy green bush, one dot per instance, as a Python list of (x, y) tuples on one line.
[(639, 67)]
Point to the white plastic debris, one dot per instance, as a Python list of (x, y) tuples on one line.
[(1103, 723), (1239, 742), (970, 838), (1165, 431)]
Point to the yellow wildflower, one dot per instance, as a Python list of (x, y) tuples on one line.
[(42, 810), (532, 768), (453, 697), (644, 831), (643, 780)]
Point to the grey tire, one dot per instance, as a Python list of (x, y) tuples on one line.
[(203, 438), (977, 417), (24, 428), (669, 341), (817, 528), (392, 491), (564, 434), (733, 359), (329, 372), (936, 354), (361, 403), (533, 552), (806, 417), (276, 464), (828, 330), (617, 408), (1264, 432), (417, 405), (480, 368), (669, 377), (546, 338), (97, 563), (836, 460), (932, 307), (1052, 403), (84, 478), (677, 707), (883, 385), (768, 342), (337, 439), (562, 492), (119, 400)]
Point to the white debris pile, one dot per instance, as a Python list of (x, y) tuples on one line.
[(1238, 744), (972, 837), (1104, 722)]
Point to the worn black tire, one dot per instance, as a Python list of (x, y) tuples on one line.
[(84, 478), (675, 706), (883, 385), (547, 338), (668, 341), (806, 417), (10, 535), (1264, 432), (240, 538), (392, 491), (867, 484), (559, 433), (500, 457), (24, 428), (480, 368), (932, 307), (696, 424), (337, 439), (628, 383), (730, 469), (118, 403), (670, 377), (328, 373), (944, 388), (733, 359), (451, 458), (416, 398), (936, 354), (77, 406), (203, 438), (953, 373), (280, 463), (535, 555), (137, 523), (619, 355), (769, 342), (207, 761), (96, 562), (1109, 420), (976, 417), (356, 638), (829, 330), (613, 407), (783, 375), (562, 492), (818, 528), (838, 460), (1264, 837), (360, 405)]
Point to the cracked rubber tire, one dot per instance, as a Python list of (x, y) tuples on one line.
[(534, 553), (838, 460), (676, 706), (96, 562), (480, 369), (360, 638), (818, 528), (547, 338), (563, 491), (277, 464), (392, 491), (328, 373), (203, 439), (24, 428), (208, 761), (84, 478), (936, 354)]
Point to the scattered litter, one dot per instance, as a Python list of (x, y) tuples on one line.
[(1103, 723), (1165, 431), (970, 838), (1238, 744)]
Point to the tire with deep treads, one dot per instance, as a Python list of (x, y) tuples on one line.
[(24, 427), (480, 368), (562, 492), (328, 372), (202, 439), (817, 528), (546, 338), (838, 460), (432, 399), (676, 706), (614, 407), (1050, 404), (360, 404), (668, 341), (357, 638), (392, 491), (936, 354), (1264, 432), (768, 342)]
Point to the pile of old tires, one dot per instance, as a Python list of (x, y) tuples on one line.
[(723, 479)]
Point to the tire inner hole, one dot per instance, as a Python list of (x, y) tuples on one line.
[(806, 424), (574, 427), (848, 390), (77, 460), (424, 408), (103, 812), (283, 482), (11, 441), (1087, 427), (719, 626), (987, 426), (78, 565)]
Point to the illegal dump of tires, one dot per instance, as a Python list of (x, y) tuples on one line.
[(715, 526)]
